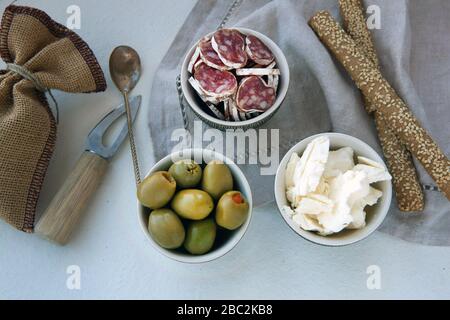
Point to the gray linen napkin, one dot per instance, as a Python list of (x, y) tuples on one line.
[(414, 48)]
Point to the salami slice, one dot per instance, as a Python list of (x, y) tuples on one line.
[(226, 109), (209, 56), (258, 51), (272, 65), (257, 72), (242, 116), (195, 57), (234, 112), (215, 83), (201, 93), (273, 81), (215, 111), (230, 46), (255, 95)]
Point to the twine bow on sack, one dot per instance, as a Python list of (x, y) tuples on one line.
[(40, 55)]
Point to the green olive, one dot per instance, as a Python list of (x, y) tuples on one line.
[(166, 228), (156, 190), (193, 204), (200, 236), (232, 210), (187, 173), (217, 179)]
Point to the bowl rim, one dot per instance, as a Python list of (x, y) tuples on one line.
[(240, 233), (314, 237), (281, 61)]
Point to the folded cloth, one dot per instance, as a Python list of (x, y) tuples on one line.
[(321, 96), (41, 55)]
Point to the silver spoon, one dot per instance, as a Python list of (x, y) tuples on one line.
[(125, 70)]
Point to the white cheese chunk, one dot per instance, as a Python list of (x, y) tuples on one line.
[(339, 161), (324, 187), (287, 210), (358, 216), (367, 161), (309, 169), (373, 196), (308, 223), (344, 190), (290, 169), (358, 213), (314, 204), (374, 174)]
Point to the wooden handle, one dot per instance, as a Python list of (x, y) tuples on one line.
[(68, 205)]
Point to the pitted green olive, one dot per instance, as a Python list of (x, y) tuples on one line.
[(166, 228), (200, 236), (232, 210), (192, 204), (217, 179), (156, 190), (187, 173)]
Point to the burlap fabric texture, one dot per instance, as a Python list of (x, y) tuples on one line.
[(58, 59)]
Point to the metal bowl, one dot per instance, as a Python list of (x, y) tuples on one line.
[(197, 105)]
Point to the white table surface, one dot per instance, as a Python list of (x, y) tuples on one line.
[(117, 261)]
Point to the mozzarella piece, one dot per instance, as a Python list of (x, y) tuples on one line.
[(374, 174), (344, 189), (358, 216), (373, 196), (339, 161), (290, 169), (308, 223), (324, 187), (309, 169), (314, 204), (367, 161), (287, 210), (358, 213)]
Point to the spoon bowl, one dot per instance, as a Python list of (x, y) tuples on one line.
[(125, 68)]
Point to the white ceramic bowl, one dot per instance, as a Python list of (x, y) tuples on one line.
[(375, 214), (195, 103), (240, 184)]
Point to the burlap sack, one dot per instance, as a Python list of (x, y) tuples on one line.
[(58, 59)]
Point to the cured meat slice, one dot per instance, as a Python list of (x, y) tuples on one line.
[(215, 83), (273, 81), (257, 72), (258, 51), (209, 56), (255, 95), (242, 116), (195, 57), (272, 65), (234, 112), (226, 109), (230, 46), (197, 64), (201, 93), (215, 111)]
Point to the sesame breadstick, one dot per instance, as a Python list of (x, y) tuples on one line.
[(407, 188), (381, 95)]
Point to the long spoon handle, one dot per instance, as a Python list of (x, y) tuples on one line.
[(137, 173)]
